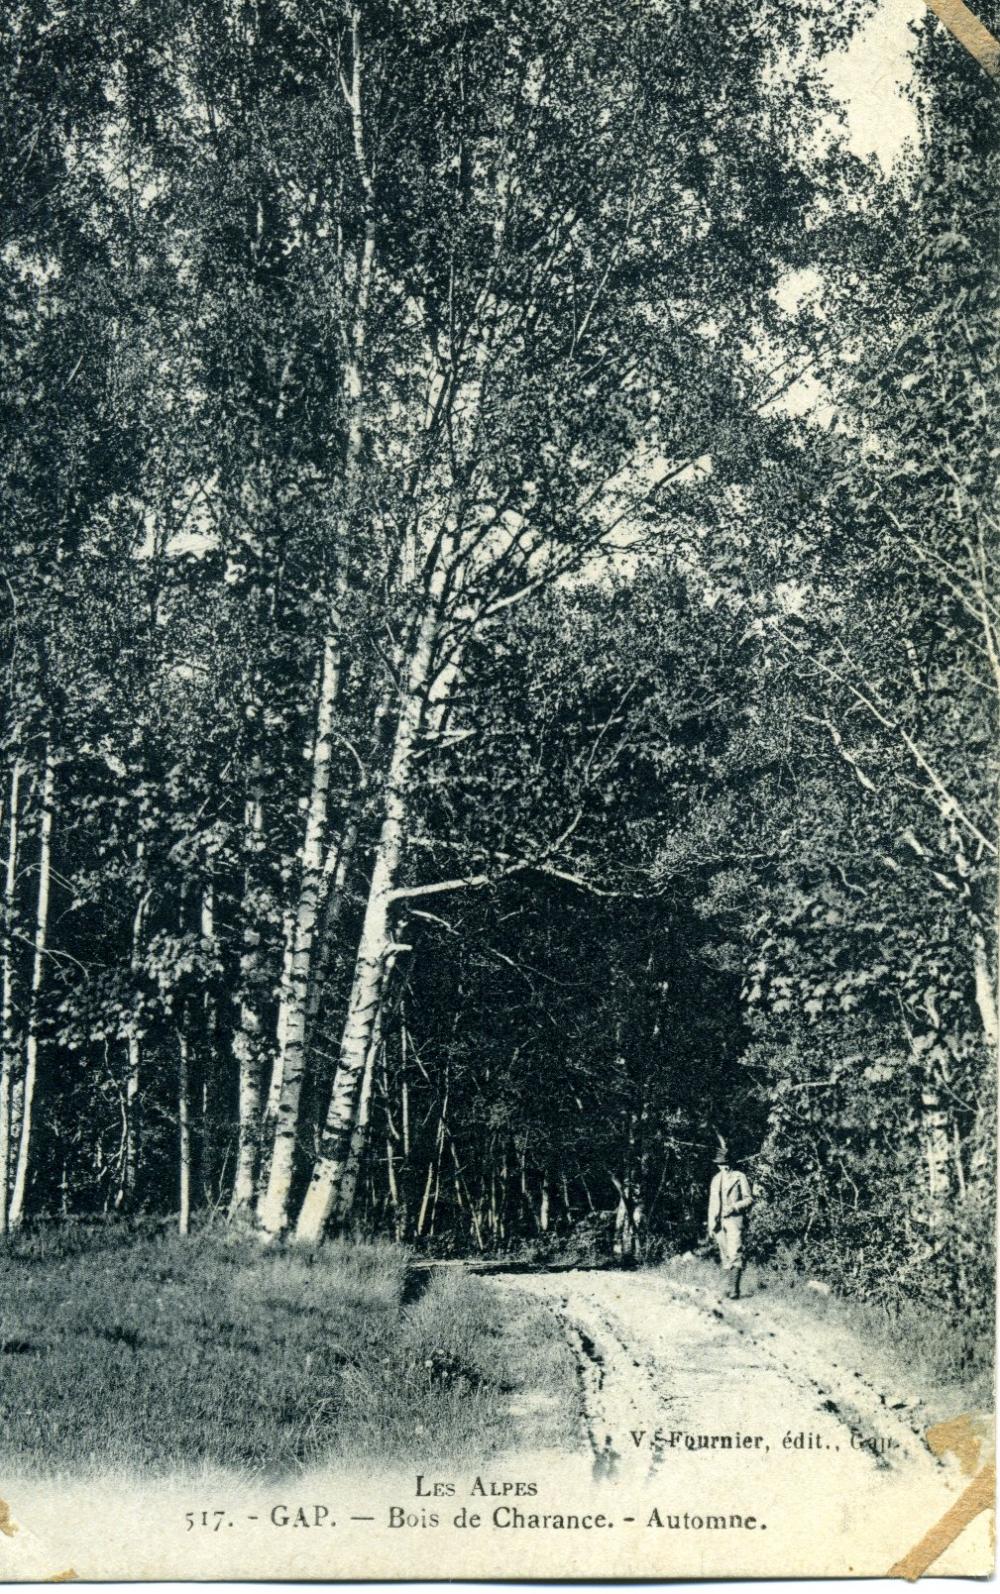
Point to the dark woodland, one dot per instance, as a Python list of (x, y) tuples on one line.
[(499, 634)]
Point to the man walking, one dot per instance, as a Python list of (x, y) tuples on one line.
[(729, 1200)]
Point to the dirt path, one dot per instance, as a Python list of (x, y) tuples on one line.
[(662, 1367), (662, 1371)]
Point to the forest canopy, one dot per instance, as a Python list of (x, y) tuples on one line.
[(500, 646)]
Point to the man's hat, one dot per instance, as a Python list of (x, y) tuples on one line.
[(722, 1155)]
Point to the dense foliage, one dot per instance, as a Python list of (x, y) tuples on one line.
[(472, 733)]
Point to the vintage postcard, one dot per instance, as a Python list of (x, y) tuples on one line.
[(499, 689)]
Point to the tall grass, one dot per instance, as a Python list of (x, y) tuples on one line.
[(120, 1350)]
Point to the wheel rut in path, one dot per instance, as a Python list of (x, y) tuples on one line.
[(653, 1354)]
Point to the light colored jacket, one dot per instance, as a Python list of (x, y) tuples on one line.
[(729, 1196)]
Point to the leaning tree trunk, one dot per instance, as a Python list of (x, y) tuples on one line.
[(344, 1208), (336, 869), (286, 1086), (397, 1143), (373, 949), (359, 1137), (7, 1040), (17, 1201)]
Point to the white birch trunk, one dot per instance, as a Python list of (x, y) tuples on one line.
[(7, 1042), (425, 1200), (359, 1136), (246, 1045), (286, 1087), (247, 1039), (335, 872), (289, 928), (210, 1068), (937, 1155), (985, 994), (184, 1135), (982, 1161), (131, 1149), (373, 950), (18, 1197), (272, 1209), (133, 1079)]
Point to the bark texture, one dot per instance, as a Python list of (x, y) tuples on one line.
[(373, 950), (8, 1043)]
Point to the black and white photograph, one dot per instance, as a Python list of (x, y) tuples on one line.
[(499, 811)]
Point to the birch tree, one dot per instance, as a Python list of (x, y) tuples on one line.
[(510, 284)]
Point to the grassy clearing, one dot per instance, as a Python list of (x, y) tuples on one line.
[(912, 1352), (127, 1351)]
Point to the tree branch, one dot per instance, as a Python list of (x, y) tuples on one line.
[(946, 802)]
